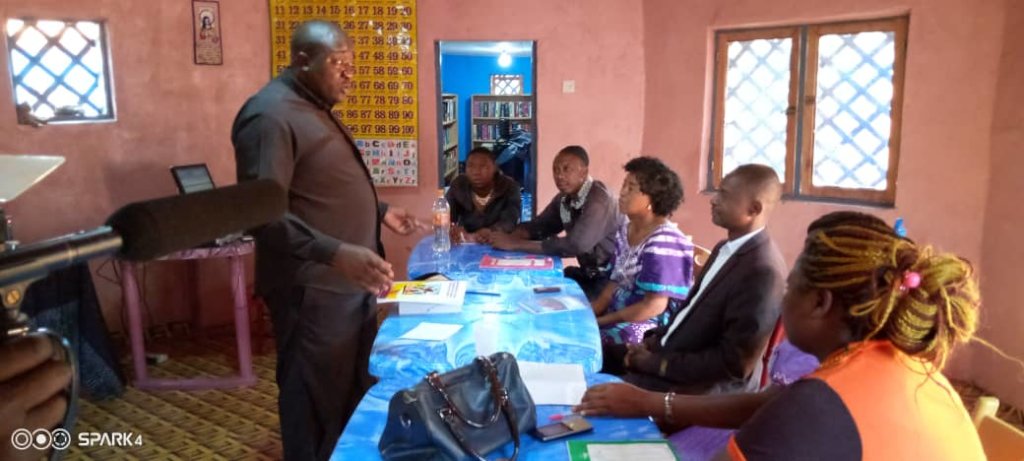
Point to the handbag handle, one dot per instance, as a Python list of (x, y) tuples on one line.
[(449, 413)]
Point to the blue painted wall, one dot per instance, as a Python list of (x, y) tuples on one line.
[(469, 75)]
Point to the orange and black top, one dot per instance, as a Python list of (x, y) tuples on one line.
[(870, 402)]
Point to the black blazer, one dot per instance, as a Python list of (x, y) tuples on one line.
[(719, 345)]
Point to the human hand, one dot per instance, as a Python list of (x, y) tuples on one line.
[(363, 267), (615, 399), (31, 391), (502, 241), (401, 222), (458, 235), (636, 355), (483, 236)]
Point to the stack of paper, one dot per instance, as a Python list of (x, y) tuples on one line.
[(553, 383), (652, 450), (434, 297), (428, 331)]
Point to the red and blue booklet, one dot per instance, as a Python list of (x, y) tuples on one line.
[(517, 262)]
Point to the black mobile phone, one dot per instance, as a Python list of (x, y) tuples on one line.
[(546, 289), (564, 428)]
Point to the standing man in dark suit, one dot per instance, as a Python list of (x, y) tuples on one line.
[(714, 344), (320, 267)]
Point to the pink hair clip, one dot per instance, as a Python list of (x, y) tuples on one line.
[(910, 281)]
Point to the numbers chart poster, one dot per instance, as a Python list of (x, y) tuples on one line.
[(381, 108)]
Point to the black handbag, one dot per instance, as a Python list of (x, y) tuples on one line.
[(460, 415)]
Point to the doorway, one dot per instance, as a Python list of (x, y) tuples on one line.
[(486, 98)]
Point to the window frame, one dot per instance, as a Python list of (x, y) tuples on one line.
[(103, 46), (801, 112), (519, 77)]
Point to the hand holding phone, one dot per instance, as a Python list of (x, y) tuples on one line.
[(569, 426)]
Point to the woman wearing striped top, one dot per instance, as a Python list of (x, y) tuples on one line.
[(653, 259)]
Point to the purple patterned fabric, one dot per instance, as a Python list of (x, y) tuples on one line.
[(661, 264), (696, 443)]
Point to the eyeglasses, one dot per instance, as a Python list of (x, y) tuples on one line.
[(340, 63)]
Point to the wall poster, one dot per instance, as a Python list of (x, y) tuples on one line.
[(381, 108)]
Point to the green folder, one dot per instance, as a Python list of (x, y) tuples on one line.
[(579, 450)]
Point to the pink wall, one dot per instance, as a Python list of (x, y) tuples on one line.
[(169, 111), (1003, 249), (640, 69), (599, 44), (952, 67)]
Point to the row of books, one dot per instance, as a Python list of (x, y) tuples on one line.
[(497, 109), (492, 131), (448, 109), (451, 136)]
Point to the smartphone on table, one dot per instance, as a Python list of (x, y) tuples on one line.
[(569, 426)]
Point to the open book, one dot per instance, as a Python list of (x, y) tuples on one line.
[(427, 297)]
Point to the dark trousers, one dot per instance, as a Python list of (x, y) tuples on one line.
[(323, 349), (592, 282)]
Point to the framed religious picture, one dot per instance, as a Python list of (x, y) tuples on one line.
[(206, 32)]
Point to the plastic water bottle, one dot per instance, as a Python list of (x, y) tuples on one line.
[(442, 226), (527, 207)]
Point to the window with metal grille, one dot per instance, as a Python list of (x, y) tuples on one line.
[(818, 103), (59, 69), (506, 84)]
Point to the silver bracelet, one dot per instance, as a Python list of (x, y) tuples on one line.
[(668, 406)]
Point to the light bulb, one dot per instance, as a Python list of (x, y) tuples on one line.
[(504, 59)]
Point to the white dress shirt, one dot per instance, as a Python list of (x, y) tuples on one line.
[(727, 250)]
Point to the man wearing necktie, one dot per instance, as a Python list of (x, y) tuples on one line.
[(715, 342)]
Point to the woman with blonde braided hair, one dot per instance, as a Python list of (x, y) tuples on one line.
[(882, 314)]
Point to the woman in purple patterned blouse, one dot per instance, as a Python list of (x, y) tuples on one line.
[(653, 259)]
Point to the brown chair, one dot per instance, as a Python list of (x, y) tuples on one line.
[(700, 258), (1000, 440)]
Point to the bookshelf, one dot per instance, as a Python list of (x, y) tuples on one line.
[(490, 109), (450, 136)]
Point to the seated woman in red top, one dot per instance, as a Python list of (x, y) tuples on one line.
[(882, 314)]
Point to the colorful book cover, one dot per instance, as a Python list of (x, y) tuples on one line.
[(426, 297)]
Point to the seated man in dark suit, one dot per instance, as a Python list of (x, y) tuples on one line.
[(715, 342)]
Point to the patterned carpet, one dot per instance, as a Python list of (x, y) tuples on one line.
[(237, 424), (227, 425)]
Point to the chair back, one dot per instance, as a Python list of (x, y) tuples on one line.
[(1000, 440), (700, 258), (777, 334)]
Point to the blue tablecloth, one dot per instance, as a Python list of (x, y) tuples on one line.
[(500, 320), (464, 260), (359, 442)]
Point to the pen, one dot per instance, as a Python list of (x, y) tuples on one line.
[(482, 293)]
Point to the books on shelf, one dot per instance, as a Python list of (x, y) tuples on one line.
[(449, 102), (492, 131), (503, 109), (518, 262), (427, 297), (450, 136)]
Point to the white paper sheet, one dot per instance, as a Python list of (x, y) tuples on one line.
[(554, 383), (634, 451), (424, 309), (428, 331)]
